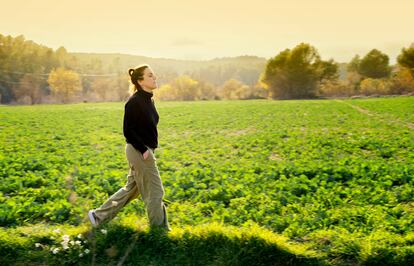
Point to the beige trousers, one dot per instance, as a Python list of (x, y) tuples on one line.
[(143, 179)]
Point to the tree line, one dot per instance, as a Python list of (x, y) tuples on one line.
[(300, 73), (31, 73)]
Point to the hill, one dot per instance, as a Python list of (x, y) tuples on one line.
[(216, 71)]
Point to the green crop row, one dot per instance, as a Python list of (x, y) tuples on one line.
[(304, 169)]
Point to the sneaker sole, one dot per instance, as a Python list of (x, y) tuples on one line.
[(92, 218)]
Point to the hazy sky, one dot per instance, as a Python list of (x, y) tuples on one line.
[(191, 29)]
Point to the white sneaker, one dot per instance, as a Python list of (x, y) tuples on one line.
[(91, 215)]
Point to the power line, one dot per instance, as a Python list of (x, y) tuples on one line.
[(96, 75), (43, 78), (23, 73), (44, 74), (14, 82)]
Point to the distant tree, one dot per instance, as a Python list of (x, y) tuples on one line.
[(336, 88), (165, 92), (233, 89), (61, 56), (248, 75), (121, 87), (207, 90), (243, 93), (327, 70), (28, 87), (93, 67), (259, 91), (296, 73), (353, 66), (211, 73), (228, 88), (64, 83), (406, 58), (353, 76), (402, 82), (104, 87), (353, 79), (375, 65), (185, 88), (371, 86), (18, 57)]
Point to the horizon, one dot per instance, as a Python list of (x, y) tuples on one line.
[(202, 31)]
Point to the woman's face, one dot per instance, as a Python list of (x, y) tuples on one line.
[(149, 80)]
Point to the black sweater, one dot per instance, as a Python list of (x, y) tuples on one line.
[(140, 121)]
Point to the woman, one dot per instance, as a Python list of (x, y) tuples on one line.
[(140, 131)]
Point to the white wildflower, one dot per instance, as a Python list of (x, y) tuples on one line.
[(65, 241), (80, 236), (77, 242), (38, 245), (81, 255), (65, 238), (86, 251), (72, 242), (104, 231), (55, 250)]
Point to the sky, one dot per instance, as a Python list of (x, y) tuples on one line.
[(207, 29)]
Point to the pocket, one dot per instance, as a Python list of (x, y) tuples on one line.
[(153, 155)]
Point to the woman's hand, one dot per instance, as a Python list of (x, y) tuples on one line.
[(146, 154)]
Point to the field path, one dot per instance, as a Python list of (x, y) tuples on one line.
[(386, 118)]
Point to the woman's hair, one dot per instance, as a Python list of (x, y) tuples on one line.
[(136, 74)]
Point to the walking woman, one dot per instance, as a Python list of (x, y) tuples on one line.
[(140, 131)]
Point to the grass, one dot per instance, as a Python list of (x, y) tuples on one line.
[(127, 241), (248, 183)]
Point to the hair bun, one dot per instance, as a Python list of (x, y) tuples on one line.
[(131, 72)]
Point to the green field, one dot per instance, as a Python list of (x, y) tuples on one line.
[(247, 183)]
